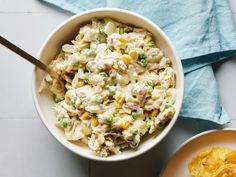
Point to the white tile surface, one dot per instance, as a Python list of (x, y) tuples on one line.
[(225, 76), (27, 149), (26, 6), (16, 73)]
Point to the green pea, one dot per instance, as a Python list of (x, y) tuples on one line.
[(168, 105), (63, 123), (112, 90), (88, 65), (127, 50), (86, 77), (98, 99), (109, 119), (148, 123), (103, 74), (135, 131), (134, 114), (75, 59)]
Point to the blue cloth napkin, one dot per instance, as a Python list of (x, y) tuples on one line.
[(203, 32)]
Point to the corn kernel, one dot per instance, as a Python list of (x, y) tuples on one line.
[(67, 99), (106, 101), (133, 54), (122, 39), (154, 97), (86, 131), (157, 87), (79, 84), (81, 36), (83, 59), (119, 97), (85, 116), (84, 45), (154, 113), (118, 105), (124, 124), (94, 121), (127, 59)]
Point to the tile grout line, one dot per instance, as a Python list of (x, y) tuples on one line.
[(18, 118), (25, 12)]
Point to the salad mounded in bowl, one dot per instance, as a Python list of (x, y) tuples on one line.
[(116, 86)]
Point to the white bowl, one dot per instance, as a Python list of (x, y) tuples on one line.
[(65, 32)]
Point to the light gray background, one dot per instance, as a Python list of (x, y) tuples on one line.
[(28, 150)]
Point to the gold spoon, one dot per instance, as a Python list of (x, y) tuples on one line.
[(28, 57)]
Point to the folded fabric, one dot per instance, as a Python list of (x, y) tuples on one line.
[(203, 32)]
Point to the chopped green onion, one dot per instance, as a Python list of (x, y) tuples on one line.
[(63, 123), (142, 56), (103, 74), (109, 47), (101, 33), (127, 50), (93, 44), (151, 43), (73, 101), (91, 53), (112, 90), (133, 145), (149, 83), (88, 65), (98, 99), (101, 28), (134, 114), (86, 77), (168, 105), (148, 123), (122, 30), (149, 89), (109, 119), (143, 62), (115, 119), (57, 99), (135, 131), (161, 125)]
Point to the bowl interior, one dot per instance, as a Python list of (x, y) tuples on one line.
[(64, 34)]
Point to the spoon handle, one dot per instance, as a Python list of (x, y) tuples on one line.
[(27, 56)]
